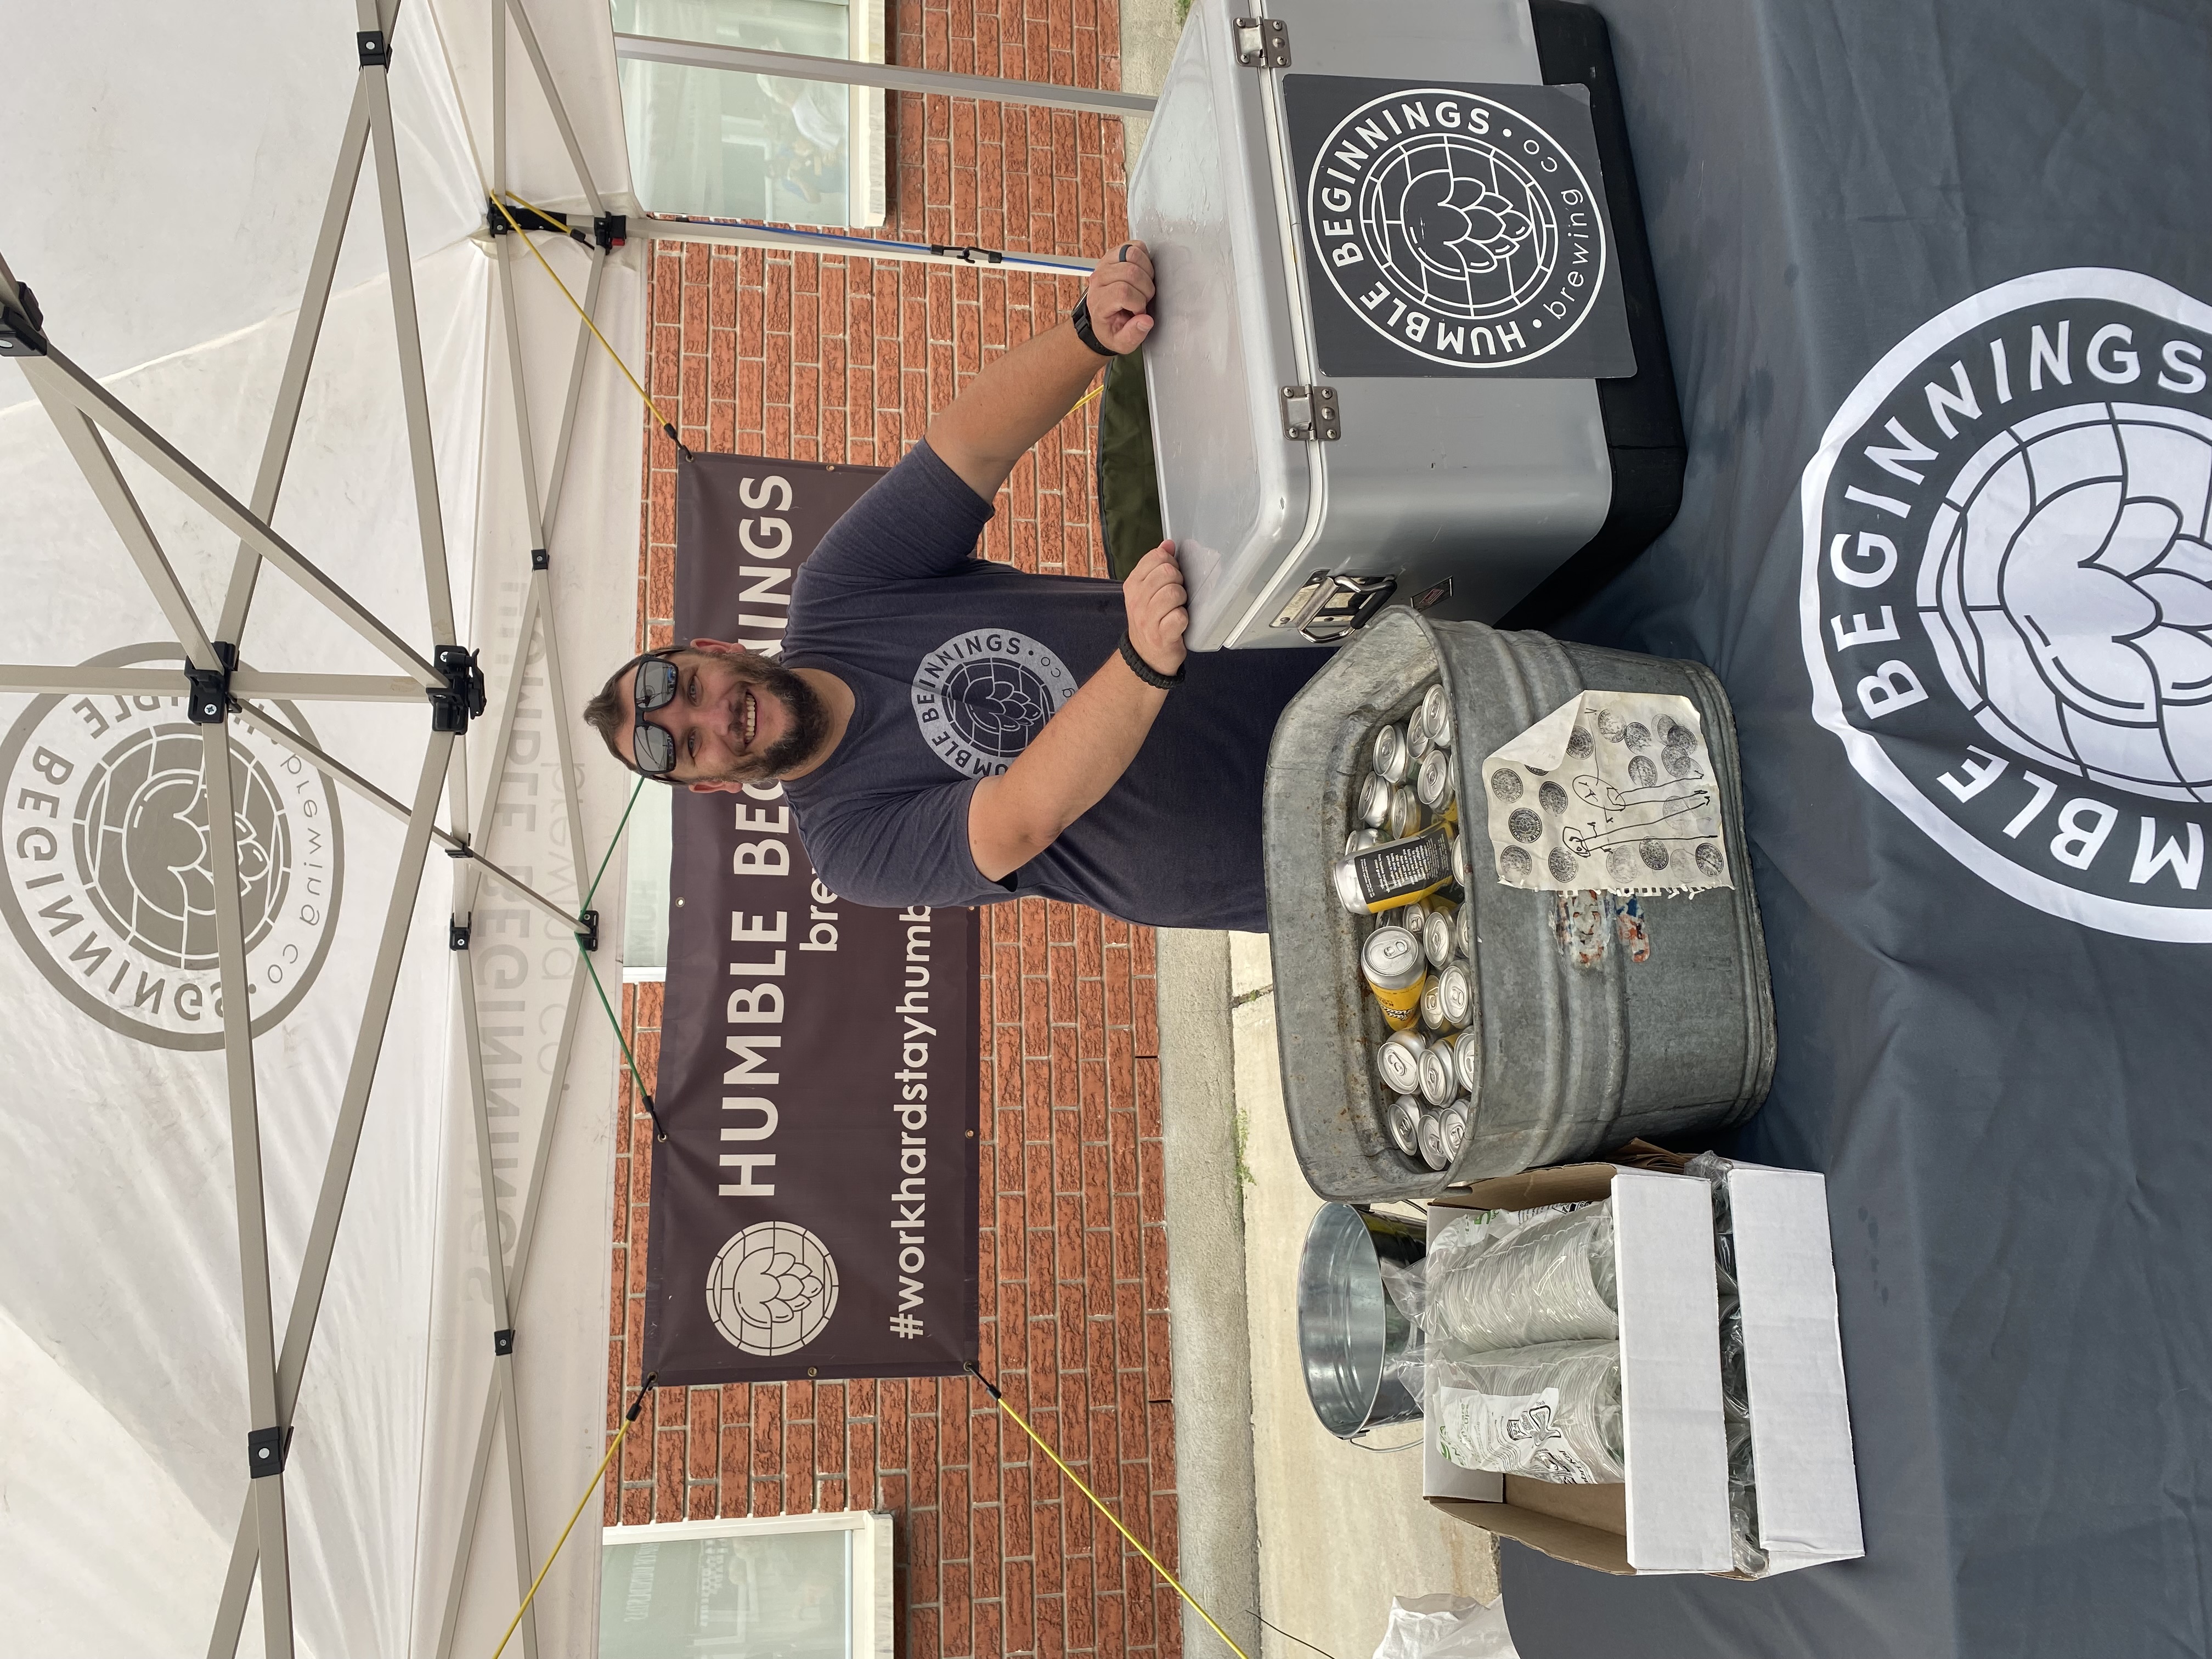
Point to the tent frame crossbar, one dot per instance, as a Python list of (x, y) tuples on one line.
[(95, 679), (337, 1167)]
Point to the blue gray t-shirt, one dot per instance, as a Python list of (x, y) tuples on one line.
[(956, 663)]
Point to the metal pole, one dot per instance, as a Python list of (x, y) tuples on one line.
[(292, 389), (263, 721), (56, 371), (560, 110), (496, 1275), (264, 1413), (414, 393), (836, 247), (94, 680), (892, 77), (337, 1166), (93, 458), (559, 475)]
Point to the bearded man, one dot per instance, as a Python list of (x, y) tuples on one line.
[(924, 717)]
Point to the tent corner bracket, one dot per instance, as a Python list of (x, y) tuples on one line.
[(208, 703), (457, 935), (265, 1451), (23, 327), (503, 1342), (588, 939), (375, 48), (461, 698)]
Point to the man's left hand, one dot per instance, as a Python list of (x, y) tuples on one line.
[(1121, 294)]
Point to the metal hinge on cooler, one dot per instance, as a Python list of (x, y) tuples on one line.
[(1331, 604), (1263, 43), (1309, 413)]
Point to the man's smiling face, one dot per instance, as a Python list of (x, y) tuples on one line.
[(735, 718)]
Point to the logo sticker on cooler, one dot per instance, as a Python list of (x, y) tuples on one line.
[(981, 697), (772, 1288), (1455, 226), (2006, 593), (109, 874)]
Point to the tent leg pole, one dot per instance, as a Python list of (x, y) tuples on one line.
[(414, 392), (263, 1413), (292, 390), (559, 110)]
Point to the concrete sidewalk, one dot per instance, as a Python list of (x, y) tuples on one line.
[(1323, 1532)]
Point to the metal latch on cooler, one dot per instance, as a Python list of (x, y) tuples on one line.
[(1333, 604), (1309, 413), (1263, 43)]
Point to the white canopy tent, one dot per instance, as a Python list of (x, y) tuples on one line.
[(262, 1115)]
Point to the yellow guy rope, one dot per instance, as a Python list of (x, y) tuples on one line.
[(598, 1474), (667, 425), (1098, 1503)]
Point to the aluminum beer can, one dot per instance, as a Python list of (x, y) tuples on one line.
[(1436, 716), (1440, 936), (1414, 918), (1432, 1134), (1439, 1074), (1391, 759), (1375, 801), (1360, 840), (1395, 970), (1454, 1121), (1399, 1062), (1459, 862), (1432, 1005), (1393, 874), (1408, 815), (1463, 928), (1467, 1050), (1455, 992), (1403, 1119), (1434, 788), (1418, 739)]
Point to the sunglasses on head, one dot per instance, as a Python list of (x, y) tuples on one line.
[(651, 746)]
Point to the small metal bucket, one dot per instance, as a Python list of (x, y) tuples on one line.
[(1350, 1331)]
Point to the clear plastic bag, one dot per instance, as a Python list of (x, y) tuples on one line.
[(1551, 1412), (1736, 1392), (1545, 1278), (1446, 1627), (1405, 1284)]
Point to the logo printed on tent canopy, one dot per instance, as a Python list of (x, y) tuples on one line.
[(2007, 597), (108, 875)]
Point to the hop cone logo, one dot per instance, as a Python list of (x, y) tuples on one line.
[(772, 1288), (2076, 607)]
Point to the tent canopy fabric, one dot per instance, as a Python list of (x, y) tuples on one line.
[(403, 1101)]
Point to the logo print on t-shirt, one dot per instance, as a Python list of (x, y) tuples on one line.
[(981, 697), (2007, 600)]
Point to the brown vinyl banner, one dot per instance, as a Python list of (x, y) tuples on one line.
[(814, 1205)]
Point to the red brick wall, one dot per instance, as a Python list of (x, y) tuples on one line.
[(841, 359)]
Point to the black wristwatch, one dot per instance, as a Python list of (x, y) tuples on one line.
[(1080, 317), (1144, 671)]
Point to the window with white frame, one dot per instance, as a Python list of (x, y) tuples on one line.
[(766, 1587), (721, 144)]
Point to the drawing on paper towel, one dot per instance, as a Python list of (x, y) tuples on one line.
[(1614, 791)]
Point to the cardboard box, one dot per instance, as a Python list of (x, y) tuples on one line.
[(1671, 1515)]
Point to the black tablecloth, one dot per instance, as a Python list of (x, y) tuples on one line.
[(2011, 1104)]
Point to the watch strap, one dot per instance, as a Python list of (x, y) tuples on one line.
[(1144, 671), (1080, 317)]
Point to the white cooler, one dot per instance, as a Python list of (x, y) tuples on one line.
[(1408, 344)]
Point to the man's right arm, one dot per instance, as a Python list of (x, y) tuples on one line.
[(1086, 746)]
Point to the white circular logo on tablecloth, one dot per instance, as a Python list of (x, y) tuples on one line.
[(982, 695), (109, 878), (2007, 596), (1456, 228), (771, 1288)]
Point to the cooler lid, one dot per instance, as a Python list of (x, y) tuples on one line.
[(1236, 495)]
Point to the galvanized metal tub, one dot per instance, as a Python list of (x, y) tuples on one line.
[(1351, 1333), (1665, 1029)]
